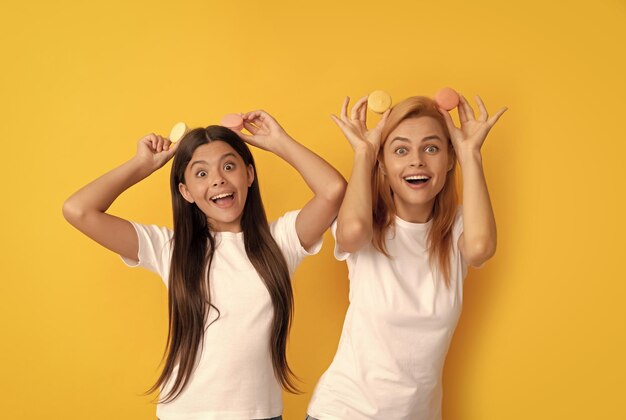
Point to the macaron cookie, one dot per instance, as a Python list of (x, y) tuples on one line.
[(447, 98), (178, 131), (232, 121), (379, 101)]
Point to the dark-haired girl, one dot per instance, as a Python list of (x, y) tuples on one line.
[(226, 269)]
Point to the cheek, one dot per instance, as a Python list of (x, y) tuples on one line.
[(393, 167), (440, 163), (240, 181), (243, 194)]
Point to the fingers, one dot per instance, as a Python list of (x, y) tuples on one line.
[(157, 143), (344, 109), (250, 127), (383, 120), (149, 140), (343, 126), (338, 121), (363, 113), (245, 137), (448, 119), (461, 110), (496, 117), (467, 109), (346, 129), (172, 147), (358, 110), (160, 144), (483, 110), (258, 116)]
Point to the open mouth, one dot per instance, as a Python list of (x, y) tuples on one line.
[(417, 179), (223, 199)]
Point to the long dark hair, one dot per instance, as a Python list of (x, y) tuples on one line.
[(193, 248)]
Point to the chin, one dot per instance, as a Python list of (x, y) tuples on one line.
[(414, 201)]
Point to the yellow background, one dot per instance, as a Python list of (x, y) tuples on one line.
[(542, 334)]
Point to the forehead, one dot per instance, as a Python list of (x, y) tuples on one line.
[(213, 152), (417, 129)]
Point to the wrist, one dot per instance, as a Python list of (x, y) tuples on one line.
[(366, 152), (470, 157), (280, 146), (142, 167)]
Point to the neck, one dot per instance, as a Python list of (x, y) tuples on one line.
[(414, 213), (233, 227)]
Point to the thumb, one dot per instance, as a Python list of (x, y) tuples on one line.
[(173, 148), (245, 137), (383, 120)]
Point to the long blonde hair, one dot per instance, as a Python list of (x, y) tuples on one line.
[(446, 201)]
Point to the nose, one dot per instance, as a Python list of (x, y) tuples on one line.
[(217, 180), (417, 161)]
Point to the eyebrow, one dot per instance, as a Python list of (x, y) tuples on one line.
[(225, 155), (431, 137)]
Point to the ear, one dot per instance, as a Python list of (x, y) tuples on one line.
[(182, 188), (451, 159), (381, 167), (250, 175)]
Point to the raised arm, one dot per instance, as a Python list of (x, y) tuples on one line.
[(327, 184), (478, 241), (86, 208), (354, 222)]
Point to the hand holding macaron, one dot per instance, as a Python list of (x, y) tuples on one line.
[(470, 136), (154, 151), (355, 127), (265, 131)]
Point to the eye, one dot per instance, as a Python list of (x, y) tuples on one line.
[(400, 151), (201, 174), (229, 166), (431, 149)]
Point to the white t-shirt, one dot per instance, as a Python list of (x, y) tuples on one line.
[(397, 331), (234, 378)]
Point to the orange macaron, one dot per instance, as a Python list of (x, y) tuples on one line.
[(232, 121), (447, 98)]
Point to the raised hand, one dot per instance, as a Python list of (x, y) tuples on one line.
[(471, 135), (355, 127), (154, 151), (265, 131)]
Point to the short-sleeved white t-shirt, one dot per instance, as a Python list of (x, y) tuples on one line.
[(234, 378), (396, 333)]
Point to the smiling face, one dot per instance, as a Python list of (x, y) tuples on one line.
[(415, 162), (217, 181)]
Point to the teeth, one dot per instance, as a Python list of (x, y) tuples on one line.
[(214, 198), (413, 177)]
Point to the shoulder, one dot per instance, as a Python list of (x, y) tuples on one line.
[(153, 233)]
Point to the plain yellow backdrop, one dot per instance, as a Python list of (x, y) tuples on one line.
[(543, 332)]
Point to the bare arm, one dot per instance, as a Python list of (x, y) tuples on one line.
[(477, 244), (86, 208), (327, 184), (354, 222)]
